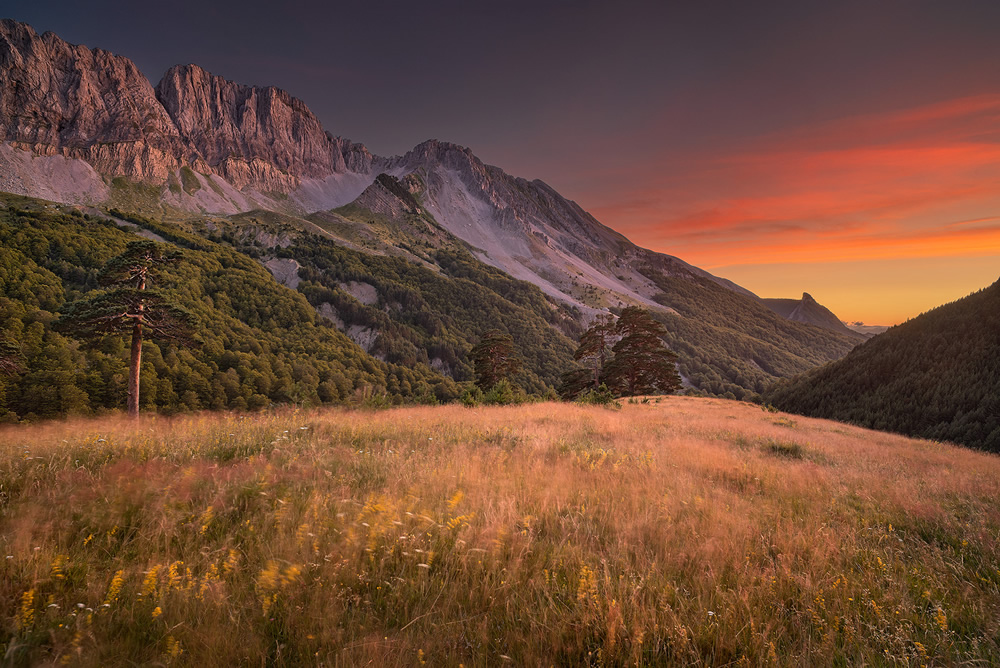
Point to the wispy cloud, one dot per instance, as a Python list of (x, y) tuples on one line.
[(911, 183)]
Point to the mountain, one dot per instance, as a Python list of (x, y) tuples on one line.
[(935, 376), (252, 167), (809, 311)]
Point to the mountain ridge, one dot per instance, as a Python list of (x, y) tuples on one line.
[(807, 310)]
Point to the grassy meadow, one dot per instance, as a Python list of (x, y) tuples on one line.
[(689, 532)]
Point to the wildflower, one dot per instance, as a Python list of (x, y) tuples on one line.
[(174, 648), (231, 561), (57, 567), (206, 520), (941, 619), (149, 582), (157, 611), (26, 615), (174, 577), (587, 587), (115, 588)]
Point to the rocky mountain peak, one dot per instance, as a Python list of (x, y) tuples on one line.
[(61, 99), (56, 97), (258, 136)]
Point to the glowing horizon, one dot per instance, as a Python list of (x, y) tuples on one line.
[(861, 192)]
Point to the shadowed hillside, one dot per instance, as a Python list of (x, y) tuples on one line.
[(936, 376)]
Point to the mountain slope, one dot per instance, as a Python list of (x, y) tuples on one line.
[(261, 343), (936, 376)]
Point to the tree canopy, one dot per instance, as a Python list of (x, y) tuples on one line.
[(639, 362), (494, 359), (130, 308)]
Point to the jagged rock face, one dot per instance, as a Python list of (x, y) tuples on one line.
[(59, 98), (262, 137), (389, 197)]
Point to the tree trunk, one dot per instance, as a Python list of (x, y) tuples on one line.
[(133, 376)]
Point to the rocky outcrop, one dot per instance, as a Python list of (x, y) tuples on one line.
[(252, 136), (60, 99), (57, 98), (809, 311), (391, 197)]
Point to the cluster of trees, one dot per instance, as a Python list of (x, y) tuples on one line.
[(626, 356), (431, 317), (936, 376)]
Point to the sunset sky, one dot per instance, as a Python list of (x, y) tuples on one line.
[(847, 149)]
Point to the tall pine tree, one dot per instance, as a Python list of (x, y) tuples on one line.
[(130, 307), (494, 359)]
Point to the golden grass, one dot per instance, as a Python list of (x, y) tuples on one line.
[(690, 531)]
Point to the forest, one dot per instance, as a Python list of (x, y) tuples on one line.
[(258, 342), (936, 376)]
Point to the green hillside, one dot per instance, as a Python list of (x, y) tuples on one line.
[(432, 301), (732, 345), (436, 299), (260, 343), (936, 376), (427, 301)]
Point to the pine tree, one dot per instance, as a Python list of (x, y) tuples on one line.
[(642, 363), (494, 359), (130, 307), (595, 346), (593, 352)]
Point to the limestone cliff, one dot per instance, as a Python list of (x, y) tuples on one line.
[(57, 98), (61, 99), (253, 136)]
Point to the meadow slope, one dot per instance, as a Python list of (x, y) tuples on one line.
[(689, 531)]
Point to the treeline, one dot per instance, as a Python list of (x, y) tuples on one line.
[(936, 376), (258, 342)]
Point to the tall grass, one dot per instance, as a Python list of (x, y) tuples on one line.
[(692, 531)]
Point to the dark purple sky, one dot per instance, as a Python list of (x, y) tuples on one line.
[(655, 116)]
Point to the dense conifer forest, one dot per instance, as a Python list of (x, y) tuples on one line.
[(936, 376)]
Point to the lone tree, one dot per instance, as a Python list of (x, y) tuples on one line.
[(642, 363), (494, 359), (595, 346), (129, 306)]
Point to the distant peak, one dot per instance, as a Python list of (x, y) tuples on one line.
[(806, 297), (436, 146)]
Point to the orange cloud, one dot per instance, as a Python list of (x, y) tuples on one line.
[(914, 183)]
